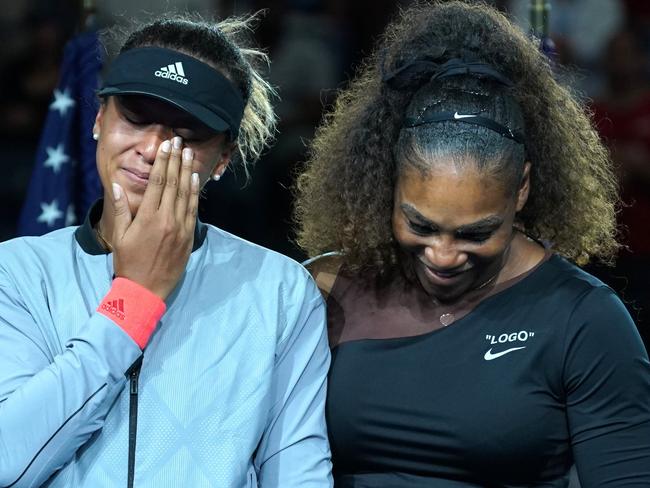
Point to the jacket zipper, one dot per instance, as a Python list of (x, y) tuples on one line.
[(134, 374)]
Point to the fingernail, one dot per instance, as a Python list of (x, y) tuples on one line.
[(166, 146), (117, 191), (195, 179), (178, 142), (187, 153)]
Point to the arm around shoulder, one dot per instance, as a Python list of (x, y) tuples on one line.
[(324, 269)]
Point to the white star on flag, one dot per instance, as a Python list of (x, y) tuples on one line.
[(70, 217), (55, 158), (62, 102), (50, 213)]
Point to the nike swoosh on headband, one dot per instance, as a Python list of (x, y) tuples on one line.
[(429, 117), (459, 116)]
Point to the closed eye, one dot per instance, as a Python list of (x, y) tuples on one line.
[(134, 119), (475, 237), (189, 136), (420, 229)]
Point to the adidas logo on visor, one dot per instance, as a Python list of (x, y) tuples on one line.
[(173, 72)]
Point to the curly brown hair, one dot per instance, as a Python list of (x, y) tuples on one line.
[(345, 195)]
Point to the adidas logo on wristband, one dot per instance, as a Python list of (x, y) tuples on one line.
[(174, 72), (115, 307)]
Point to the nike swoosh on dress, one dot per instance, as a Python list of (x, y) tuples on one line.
[(489, 356)]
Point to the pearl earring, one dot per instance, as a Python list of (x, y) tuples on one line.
[(216, 177), (95, 136)]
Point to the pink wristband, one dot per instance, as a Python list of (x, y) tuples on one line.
[(134, 308)]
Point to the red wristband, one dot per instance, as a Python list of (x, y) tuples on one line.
[(134, 308)]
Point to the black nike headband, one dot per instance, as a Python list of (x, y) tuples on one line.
[(180, 80), (423, 69)]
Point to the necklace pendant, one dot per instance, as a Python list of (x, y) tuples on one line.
[(446, 319)]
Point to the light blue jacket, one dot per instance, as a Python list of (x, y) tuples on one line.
[(232, 387)]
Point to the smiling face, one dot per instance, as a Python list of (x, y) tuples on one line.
[(131, 128), (456, 225)]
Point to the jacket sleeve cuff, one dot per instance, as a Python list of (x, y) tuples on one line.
[(134, 308)]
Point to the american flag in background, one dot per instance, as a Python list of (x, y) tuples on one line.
[(65, 181)]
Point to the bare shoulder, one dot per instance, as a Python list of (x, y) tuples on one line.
[(324, 269)]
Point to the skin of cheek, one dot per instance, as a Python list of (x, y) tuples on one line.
[(118, 146), (215, 161), (204, 169)]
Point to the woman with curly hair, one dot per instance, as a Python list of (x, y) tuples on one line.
[(452, 189), (145, 348)]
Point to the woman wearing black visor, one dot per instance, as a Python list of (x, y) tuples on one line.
[(145, 348)]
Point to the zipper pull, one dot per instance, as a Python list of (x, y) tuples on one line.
[(133, 374), (134, 381)]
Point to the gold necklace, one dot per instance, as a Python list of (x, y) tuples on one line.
[(103, 241), (448, 318)]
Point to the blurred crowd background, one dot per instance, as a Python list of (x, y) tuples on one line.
[(602, 51)]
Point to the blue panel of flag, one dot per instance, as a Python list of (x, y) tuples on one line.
[(65, 181)]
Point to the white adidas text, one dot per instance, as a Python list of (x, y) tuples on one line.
[(174, 72)]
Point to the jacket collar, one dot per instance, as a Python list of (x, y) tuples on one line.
[(87, 238)]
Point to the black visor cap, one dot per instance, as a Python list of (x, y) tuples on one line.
[(180, 80)]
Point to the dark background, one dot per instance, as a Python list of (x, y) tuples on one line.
[(603, 49)]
